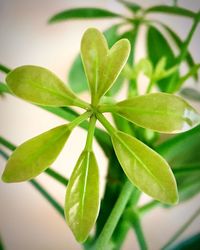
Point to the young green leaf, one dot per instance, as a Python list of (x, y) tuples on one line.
[(40, 86), (171, 10), (157, 47), (35, 155), (82, 13), (145, 168), (82, 196), (102, 66), (159, 111), (77, 79)]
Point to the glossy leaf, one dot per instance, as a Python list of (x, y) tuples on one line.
[(82, 13), (40, 86), (82, 196), (171, 10), (102, 66), (159, 111), (157, 47), (191, 94), (134, 7), (145, 168), (35, 155)]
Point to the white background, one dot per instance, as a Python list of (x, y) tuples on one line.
[(27, 221)]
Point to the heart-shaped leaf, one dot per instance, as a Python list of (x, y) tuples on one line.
[(35, 155), (159, 111), (145, 168), (102, 66), (82, 196), (40, 86)]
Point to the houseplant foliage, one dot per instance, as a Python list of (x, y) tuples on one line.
[(136, 163)]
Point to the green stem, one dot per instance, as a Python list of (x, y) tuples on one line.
[(106, 123), (184, 51), (135, 220), (147, 207), (48, 197), (79, 119), (150, 85), (48, 171), (45, 194), (181, 230), (114, 217), (90, 135), (4, 69)]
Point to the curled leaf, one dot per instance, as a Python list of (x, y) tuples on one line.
[(35, 155), (40, 86), (145, 168), (160, 112), (82, 196)]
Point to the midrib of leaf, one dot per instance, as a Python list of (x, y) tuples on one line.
[(53, 92), (139, 160), (84, 186), (151, 112), (33, 156)]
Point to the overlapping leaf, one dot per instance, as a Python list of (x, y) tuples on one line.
[(145, 168), (35, 155), (102, 66), (82, 196), (159, 111), (40, 86)]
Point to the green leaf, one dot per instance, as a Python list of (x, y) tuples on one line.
[(157, 47), (40, 86), (193, 242), (145, 168), (77, 79), (160, 112), (183, 150), (82, 196), (102, 66), (179, 43), (82, 13), (171, 10), (134, 7), (35, 155), (191, 94)]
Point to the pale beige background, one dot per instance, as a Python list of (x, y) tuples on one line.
[(27, 221)]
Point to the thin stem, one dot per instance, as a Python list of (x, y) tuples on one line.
[(184, 51), (45, 194), (48, 171), (4, 69), (147, 207), (105, 123), (90, 135), (107, 108), (150, 85), (135, 220), (181, 230), (79, 119), (114, 217)]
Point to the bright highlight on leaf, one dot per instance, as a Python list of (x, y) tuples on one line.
[(160, 112), (145, 168), (82, 196), (35, 155), (40, 86), (102, 66)]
